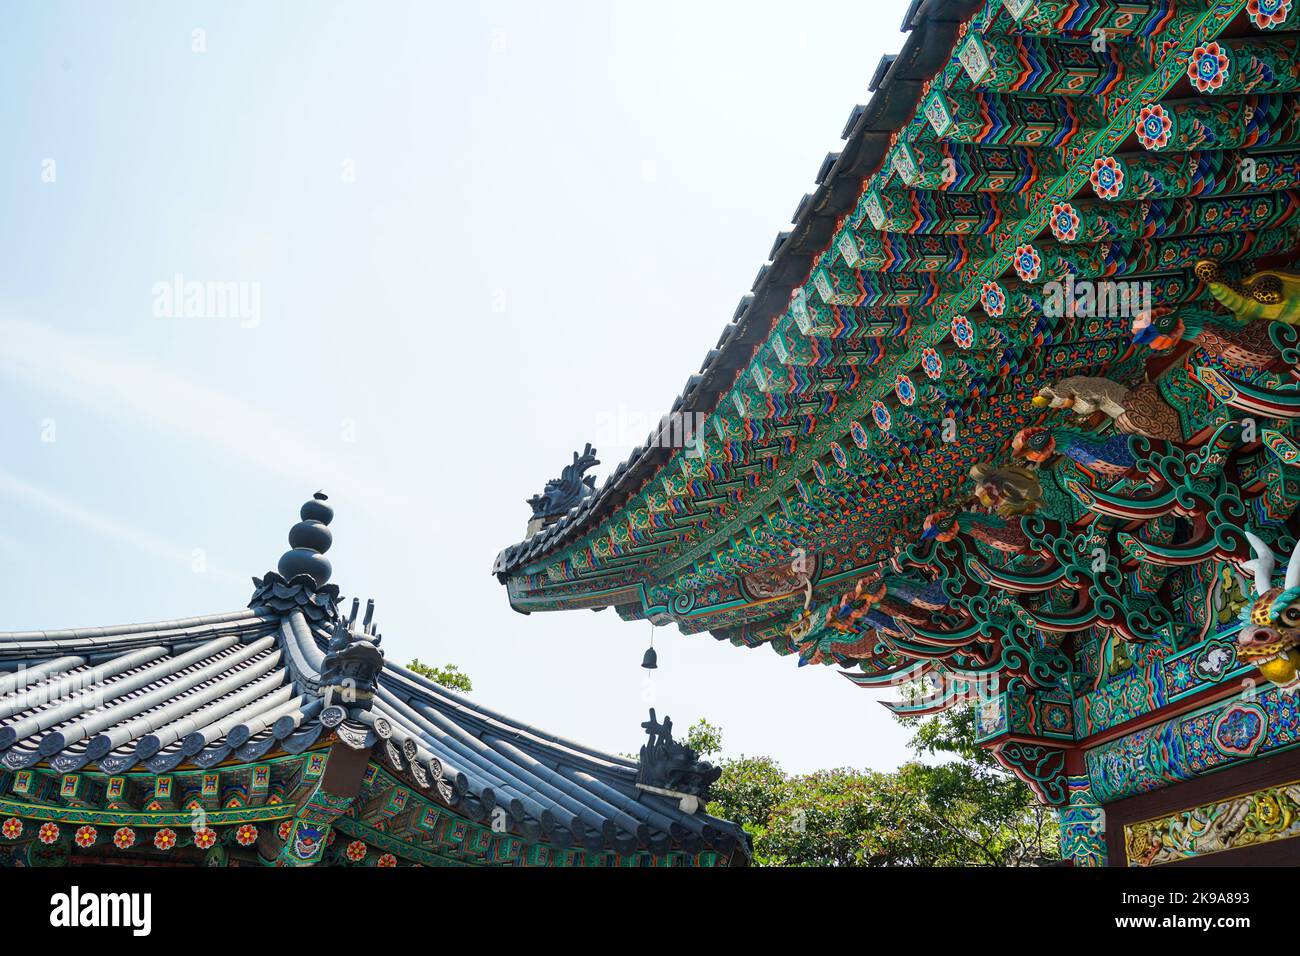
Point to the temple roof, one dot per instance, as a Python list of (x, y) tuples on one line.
[(235, 687), (896, 87), (907, 327)]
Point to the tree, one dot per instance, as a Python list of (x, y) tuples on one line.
[(450, 676), (704, 738), (965, 812)]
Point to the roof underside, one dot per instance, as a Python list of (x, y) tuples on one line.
[(827, 408)]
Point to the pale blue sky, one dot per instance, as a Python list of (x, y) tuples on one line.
[(555, 208)]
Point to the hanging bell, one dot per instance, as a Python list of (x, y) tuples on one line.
[(651, 659)]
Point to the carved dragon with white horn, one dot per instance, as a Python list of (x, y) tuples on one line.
[(1270, 633)]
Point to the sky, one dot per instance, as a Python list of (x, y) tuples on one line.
[(459, 241)]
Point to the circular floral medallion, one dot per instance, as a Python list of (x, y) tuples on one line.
[(124, 838), (837, 453), (858, 434), (881, 415), (904, 389), (1208, 67), (1154, 126), (283, 829), (85, 836), (819, 472), (48, 833), (1268, 14), (1107, 177), (12, 828), (963, 332), (205, 837), (1027, 263), (356, 851), (165, 838), (1064, 222), (386, 860), (992, 298), (931, 363), (246, 835)]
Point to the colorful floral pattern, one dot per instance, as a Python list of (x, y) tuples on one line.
[(881, 415), (283, 829), (1154, 126), (205, 837), (1064, 222), (12, 828), (85, 836), (1208, 67), (904, 389), (246, 835), (48, 833), (1268, 14), (1107, 177), (963, 332), (165, 838), (386, 860), (1028, 264), (993, 299), (356, 851), (931, 363), (124, 838)]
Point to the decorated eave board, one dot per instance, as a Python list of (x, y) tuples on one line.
[(279, 735), (1011, 413)]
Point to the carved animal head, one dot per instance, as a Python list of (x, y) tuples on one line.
[(1035, 444), (1271, 622), (1158, 329), (940, 526)]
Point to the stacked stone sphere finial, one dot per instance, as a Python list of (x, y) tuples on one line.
[(309, 540)]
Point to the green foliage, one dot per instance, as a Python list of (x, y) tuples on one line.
[(704, 737), (965, 812), (450, 676)]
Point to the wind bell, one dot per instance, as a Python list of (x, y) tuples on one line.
[(651, 660)]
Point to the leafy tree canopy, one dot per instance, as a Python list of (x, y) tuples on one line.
[(966, 811), (451, 676)]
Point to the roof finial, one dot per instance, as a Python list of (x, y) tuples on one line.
[(310, 539)]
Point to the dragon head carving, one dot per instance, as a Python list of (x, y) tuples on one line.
[(1270, 633)]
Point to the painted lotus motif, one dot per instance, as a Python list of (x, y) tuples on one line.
[(246, 835), (1027, 263), (124, 838), (1064, 222), (48, 833), (904, 389), (85, 836), (386, 860), (1267, 14), (993, 299), (356, 851), (1154, 126), (963, 332), (931, 363), (881, 415), (12, 828), (1208, 67), (165, 838), (205, 838), (1107, 178)]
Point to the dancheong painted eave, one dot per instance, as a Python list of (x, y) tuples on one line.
[(1023, 431), (282, 723), (896, 89)]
